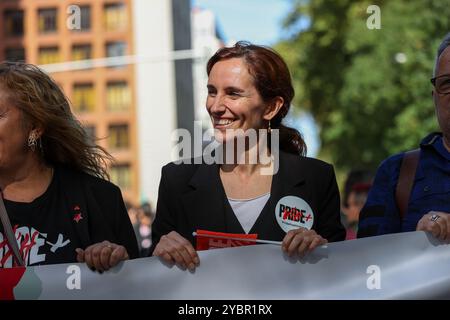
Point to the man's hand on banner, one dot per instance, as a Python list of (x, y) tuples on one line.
[(173, 248), (102, 256), (301, 241), (437, 223)]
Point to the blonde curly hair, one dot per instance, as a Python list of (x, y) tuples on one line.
[(44, 105)]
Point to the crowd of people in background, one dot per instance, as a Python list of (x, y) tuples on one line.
[(356, 189), (141, 218)]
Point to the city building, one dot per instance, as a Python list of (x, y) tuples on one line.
[(113, 59), (206, 40)]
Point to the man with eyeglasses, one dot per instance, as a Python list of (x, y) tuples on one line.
[(411, 190)]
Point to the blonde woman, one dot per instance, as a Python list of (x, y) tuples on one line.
[(52, 179)]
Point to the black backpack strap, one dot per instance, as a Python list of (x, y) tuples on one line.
[(406, 180), (9, 233)]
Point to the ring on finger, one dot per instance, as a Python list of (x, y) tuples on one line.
[(434, 217)]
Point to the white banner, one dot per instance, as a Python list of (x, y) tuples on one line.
[(398, 266)]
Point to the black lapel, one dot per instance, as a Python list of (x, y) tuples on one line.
[(204, 205), (232, 222), (286, 181), (73, 190)]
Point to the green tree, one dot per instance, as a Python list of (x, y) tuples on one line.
[(368, 90)]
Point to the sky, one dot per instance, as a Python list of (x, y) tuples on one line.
[(260, 22)]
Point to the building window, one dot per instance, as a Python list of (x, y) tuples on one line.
[(48, 20), (90, 131), (81, 52), (118, 137), (83, 97), (85, 18), (118, 97), (48, 55), (115, 18), (116, 49), (121, 175), (15, 54), (13, 22)]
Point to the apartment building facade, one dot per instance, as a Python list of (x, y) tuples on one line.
[(129, 109)]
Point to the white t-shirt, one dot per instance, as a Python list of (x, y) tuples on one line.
[(248, 210)]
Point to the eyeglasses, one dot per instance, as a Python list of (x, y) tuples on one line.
[(442, 84)]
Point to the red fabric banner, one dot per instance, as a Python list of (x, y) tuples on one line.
[(213, 240)]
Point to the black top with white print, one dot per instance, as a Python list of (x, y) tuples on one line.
[(43, 228)]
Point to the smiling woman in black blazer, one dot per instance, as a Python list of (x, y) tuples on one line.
[(249, 88)]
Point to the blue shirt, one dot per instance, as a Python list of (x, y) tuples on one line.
[(431, 191)]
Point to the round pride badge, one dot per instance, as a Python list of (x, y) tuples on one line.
[(293, 212)]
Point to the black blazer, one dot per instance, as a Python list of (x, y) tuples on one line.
[(104, 214), (191, 197)]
